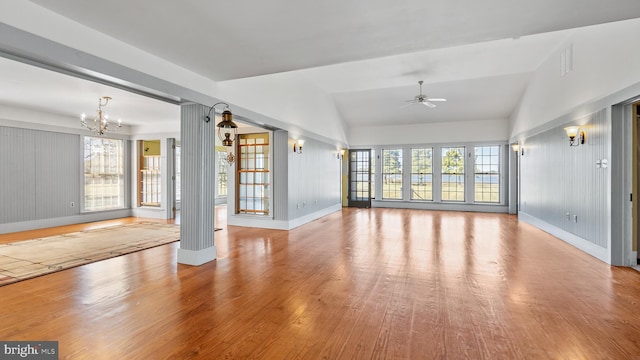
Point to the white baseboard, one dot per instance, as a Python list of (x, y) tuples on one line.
[(257, 222), (150, 212), (269, 223), (580, 243), (445, 206), (197, 257), (67, 220), (313, 216)]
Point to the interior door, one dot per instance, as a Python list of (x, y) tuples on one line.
[(360, 178)]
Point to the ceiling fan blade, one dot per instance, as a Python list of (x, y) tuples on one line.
[(409, 103), (437, 99), (428, 104)]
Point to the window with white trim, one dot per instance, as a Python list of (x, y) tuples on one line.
[(103, 174), (178, 172), (422, 174), (222, 164), (253, 174), (392, 174), (487, 174), (453, 173)]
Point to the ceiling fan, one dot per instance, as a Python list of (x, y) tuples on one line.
[(423, 99)]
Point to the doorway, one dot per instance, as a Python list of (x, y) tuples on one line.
[(360, 178), (625, 146), (635, 192)]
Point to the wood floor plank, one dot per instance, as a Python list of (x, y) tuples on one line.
[(359, 283)]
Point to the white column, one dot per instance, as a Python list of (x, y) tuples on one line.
[(197, 186)]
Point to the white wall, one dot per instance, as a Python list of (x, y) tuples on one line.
[(35, 120), (459, 131), (305, 186), (605, 60), (563, 189), (556, 179), (314, 182), (42, 173), (290, 98)]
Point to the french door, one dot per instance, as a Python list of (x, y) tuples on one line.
[(360, 178)]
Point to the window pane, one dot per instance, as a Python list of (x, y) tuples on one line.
[(149, 173), (103, 173), (487, 174), (421, 174), (222, 166), (150, 180), (253, 174), (178, 173), (373, 172), (392, 174), (453, 173)]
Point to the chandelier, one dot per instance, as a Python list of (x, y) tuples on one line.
[(100, 123)]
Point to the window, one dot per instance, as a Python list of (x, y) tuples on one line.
[(422, 174), (150, 181), (392, 174), (103, 173), (487, 174), (222, 173), (253, 174), (453, 174), (149, 175), (372, 195), (178, 173)]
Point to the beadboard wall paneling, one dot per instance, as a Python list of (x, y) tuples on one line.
[(40, 175), (315, 179), (563, 185), (198, 178), (58, 174), (17, 178)]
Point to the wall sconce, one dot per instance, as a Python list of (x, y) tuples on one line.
[(226, 126), (297, 146), (576, 136), (515, 147), (340, 154)]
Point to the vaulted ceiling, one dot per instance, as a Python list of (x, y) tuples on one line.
[(369, 55)]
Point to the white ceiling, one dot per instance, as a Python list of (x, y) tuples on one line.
[(369, 54), (27, 86)]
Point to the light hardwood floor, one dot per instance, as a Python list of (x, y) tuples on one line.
[(357, 284)]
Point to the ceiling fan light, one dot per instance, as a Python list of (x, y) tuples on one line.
[(423, 99)]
